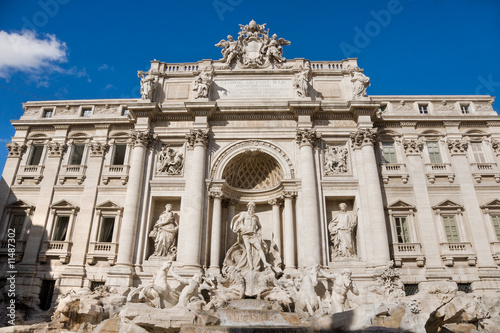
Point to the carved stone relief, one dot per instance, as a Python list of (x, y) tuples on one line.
[(169, 161), (336, 160)]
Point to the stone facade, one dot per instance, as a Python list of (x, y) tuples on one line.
[(86, 182)]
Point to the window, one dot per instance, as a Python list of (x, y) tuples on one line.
[(465, 287), (77, 154), (86, 112), (16, 223), (402, 229), (423, 109), (46, 293), (106, 230), (119, 154), (477, 152), (125, 112), (464, 108), (389, 152), (35, 155), (61, 228), (411, 289), (495, 220), (48, 113), (434, 153), (451, 229)]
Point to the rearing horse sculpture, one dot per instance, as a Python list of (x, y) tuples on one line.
[(306, 299)]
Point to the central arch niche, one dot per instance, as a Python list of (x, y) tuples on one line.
[(253, 170)]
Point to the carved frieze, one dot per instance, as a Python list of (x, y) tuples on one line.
[(458, 146), (170, 161), (197, 137), (413, 147), (307, 137), (15, 149), (363, 137), (336, 160)]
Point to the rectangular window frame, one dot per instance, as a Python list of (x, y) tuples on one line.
[(106, 236), (48, 112), (115, 157), (451, 228), (389, 155), (495, 223), (402, 227), (77, 154), (56, 229), (423, 108), (434, 152), (36, 154), (478, 155)]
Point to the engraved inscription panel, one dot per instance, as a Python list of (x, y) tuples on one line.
[(328, 89), (178, 91), (251, 89)]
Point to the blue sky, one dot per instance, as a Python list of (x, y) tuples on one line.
[(92, 49)]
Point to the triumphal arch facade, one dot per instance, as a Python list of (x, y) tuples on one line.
[(250, 166)]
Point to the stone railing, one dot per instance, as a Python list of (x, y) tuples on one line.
[(72, 172), (461, 251), (389, 170), (34, 172), (53, 248), (480, 170), (105, 250), (408, 252), (181, 67), (327, 65), (434, 170), (115, 172)]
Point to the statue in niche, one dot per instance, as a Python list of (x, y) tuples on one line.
[(335, 160), (231, 49), (249, 251), (148, 85), (341, 229), (170, 161), (360, 82), (202, 83), (301, 81), (341, 287), (164, 234)]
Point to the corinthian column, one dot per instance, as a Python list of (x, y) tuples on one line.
[(190, 228), (128, 230), (288, 230), (364, 139), (276, 203), (308, 228), (216, 230)]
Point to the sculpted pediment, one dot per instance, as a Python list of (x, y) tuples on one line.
[(448, 204), (400, 204), (108, 205), (63, 204), (495, 204)]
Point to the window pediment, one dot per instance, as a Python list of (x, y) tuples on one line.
[(448, 205), (401, 205)]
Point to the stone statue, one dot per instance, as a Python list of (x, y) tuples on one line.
[(341, 229), (148, 85), (306, 299), (231, 49), (301, 81), (360, 83), (341, 286), (202, 82), (273, 48), (170, 162), (335, 160), (158, 293), (165, 234), (248, 251), (191, 290)]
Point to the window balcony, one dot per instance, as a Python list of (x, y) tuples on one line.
[(18, 252), (57, 249), (450, 252), (480, 170), (435, 170), (115, 172), (408, 252), (72, 172), (103, 250), (34, 172), (392, 170), (495, 246)]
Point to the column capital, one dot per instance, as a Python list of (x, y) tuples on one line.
[(458, 147), (363, 137), (413, 147), (15, 149), (215, 194), (307, 137), (141, 138), (98, 148), (197, 137), (278, 201), (56, 149), (289, 194)]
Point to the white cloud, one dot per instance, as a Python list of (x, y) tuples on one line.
[(27, 52), (105, 67), (109, 86)]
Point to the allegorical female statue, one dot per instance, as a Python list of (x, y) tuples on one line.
[(341, 229), (165, 234)]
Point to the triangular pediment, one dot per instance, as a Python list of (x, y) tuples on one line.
[(448, 204), (20, 204), (108, 205), (400, 204), (63, 204), (495, 204)]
